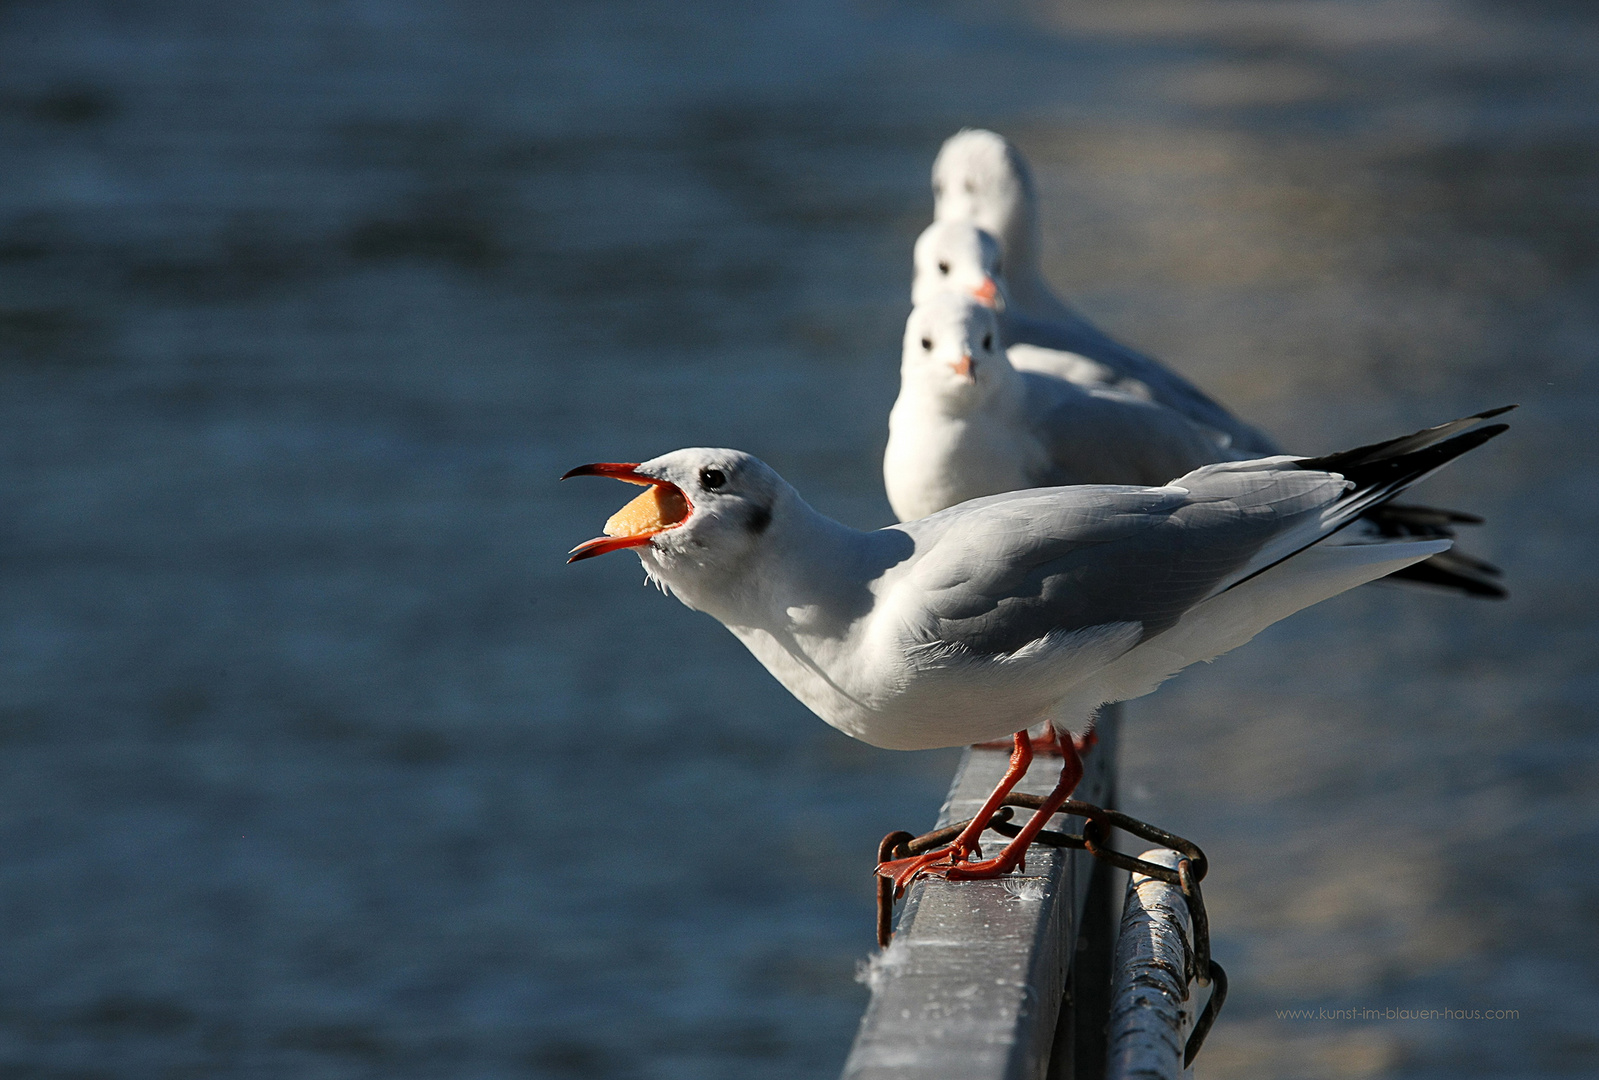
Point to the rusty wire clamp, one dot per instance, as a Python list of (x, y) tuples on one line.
[(1097, 824)]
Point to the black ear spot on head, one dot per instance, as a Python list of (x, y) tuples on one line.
[(760, 517)]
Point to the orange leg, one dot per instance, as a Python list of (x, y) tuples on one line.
[(1042, 744), (1014, 854), (941, 860)]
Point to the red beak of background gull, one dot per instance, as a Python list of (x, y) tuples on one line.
[(986, 292), (662, 507)]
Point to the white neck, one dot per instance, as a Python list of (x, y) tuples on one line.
[(801, 603), (942, 452), (805, 558), (1027, 290)]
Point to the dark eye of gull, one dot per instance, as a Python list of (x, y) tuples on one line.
[(943, 268), (927, 344), (711, 479), (988, 342)]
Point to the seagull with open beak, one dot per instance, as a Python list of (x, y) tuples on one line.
[(1040, 605)]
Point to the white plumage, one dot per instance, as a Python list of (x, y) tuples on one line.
[(978, 621)]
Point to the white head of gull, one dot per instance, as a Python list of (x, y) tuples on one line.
[(957, 256)]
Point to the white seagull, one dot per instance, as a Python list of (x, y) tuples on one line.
[(1036, 605), (971, 421), (981, 179), (960, 257), (967, 423)]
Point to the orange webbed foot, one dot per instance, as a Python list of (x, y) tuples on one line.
[(938, 862)]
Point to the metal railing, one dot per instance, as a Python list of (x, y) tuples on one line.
[(1014, 979)]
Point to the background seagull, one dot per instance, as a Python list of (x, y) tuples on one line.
[(1036, 605), (981, 179), (967, 423), (961, 257)]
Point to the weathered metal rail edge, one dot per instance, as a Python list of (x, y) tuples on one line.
[(1153, 1007), (971, 987)]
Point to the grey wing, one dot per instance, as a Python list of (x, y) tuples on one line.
[(1076, 334), (1006, 571), (1106, 436)]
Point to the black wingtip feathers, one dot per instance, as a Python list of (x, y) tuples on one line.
[(1383, 470)]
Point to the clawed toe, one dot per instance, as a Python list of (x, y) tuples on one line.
[(904, 871), (945, 863), (987, 869)]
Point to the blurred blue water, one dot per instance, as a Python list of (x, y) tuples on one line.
[(318, 762)]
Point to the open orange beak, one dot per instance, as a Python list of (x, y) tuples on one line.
[(987, 293), (663, 506)]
